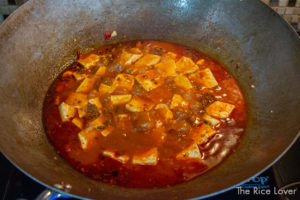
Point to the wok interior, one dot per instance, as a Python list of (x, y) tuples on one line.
[(38, 40)]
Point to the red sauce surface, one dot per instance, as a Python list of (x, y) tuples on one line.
[(137, 135)]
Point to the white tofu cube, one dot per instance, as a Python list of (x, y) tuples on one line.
[(107, 131), (150, 80), (201, 134), (98, 123), (128, 58), (89, 61), (87, 137), (78, 76), (178, 101), (148, 158), (96, 101), (101, 71), (200, 62), (192, 152), (86, 85), (171, 55), (145, 62), (77, 122), (81, 112), (148, 60), (105, 89), (120, 99), (164, 111), (66, 111), (122, 121), (123, 82), (78, 100), (67, 74), (220, 109), (110, 153), (186, 65), (138, 104), (183, 82), (211, 120), (204, 78), (166, 67)]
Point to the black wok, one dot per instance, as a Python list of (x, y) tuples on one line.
[(37, 41)]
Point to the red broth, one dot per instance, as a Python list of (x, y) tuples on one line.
[(126, 127)]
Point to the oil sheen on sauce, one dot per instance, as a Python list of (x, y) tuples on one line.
[(147, 114)]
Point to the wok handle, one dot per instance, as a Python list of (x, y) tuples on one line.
[(50, 195)]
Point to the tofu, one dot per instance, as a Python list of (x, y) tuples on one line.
[(135, 50), (66, 111), (96, 101), (204, 78), (98, 123), (86, 85), (81, 112), (150, 80), (123, 82), (183, 82), (201, 134), (148, 158), (200, 62), (166, 67), (109, 153), (171, 55), (101, 71), (67, 74), (89, 61), (122, 121), (138, 104), (220, 109), (104, 89), (212, 121), (78, 76), (146, 61), (107, 131), (120, 99), (164, 111), (128, 58), (186, 65), (191, 152), (77, 122), (178, 101), (78, 100), (87, 137)]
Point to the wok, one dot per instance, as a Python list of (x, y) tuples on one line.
[(37, 41)]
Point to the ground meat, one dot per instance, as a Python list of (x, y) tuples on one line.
[(91, 112), (78, 68), (138, 90), (180, 115), (157, 51), (93, 69), (180, 127), (116, 68), (106, 80), (205, 99), (106, 60)]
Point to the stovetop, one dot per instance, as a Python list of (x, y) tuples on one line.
[(285, 174)]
